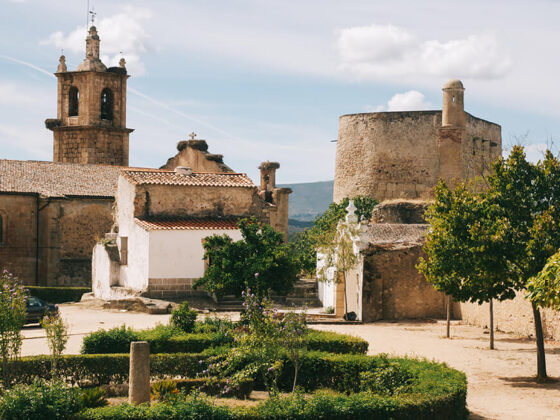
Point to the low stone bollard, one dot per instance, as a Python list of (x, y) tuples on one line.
[(139, 377)]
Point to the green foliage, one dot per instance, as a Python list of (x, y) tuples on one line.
[(163, 390), (40, 401), (437, 392), (305, 244), (115, 340), (388, 379), (544, 288), (57, 336), (13, 298), (183, 318), (491, 244), (94, 397), (260, 261), (58, 294), (212, 332)]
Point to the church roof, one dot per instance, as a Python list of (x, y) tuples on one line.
[(187, 223), (197, 179), (55, 179)]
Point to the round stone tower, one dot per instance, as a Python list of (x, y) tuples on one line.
[(453, 110)]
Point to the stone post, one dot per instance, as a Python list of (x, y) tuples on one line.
[(139, 378)]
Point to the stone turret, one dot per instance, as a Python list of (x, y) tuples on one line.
[(453, 110), (92, 61)]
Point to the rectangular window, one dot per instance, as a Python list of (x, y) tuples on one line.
[(124, 250)]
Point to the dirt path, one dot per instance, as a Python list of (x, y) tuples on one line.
[(501, 383)]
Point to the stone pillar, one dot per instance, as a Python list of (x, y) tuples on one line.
[(139, 378)]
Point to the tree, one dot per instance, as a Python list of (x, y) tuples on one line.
[(304, 244), (260, 261), (57, 337), (515, 232), (13, 297), (544, 288), (338, 251), (462, 248)]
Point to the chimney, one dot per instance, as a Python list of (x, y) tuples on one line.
[(268, 175)]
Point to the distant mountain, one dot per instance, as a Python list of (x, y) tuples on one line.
[(309, 199)]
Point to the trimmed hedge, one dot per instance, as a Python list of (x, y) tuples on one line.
[(117, 340), (58, 294), (438, 392)]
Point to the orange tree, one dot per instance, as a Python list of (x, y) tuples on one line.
[(260, 261)]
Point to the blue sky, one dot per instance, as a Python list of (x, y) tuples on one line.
[(267, 80)]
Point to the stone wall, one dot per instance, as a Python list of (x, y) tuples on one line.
[(512, 316), (18, 239), (388, 155), (393, 288)]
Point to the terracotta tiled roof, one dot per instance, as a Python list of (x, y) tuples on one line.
[(54, 179), (187, 223), (199, 179), (389, 235)]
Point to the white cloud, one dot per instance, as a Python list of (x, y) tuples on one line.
[(407, 101), (387, 51), (122, 34)]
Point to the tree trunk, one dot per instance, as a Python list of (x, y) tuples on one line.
[(295, 376), (491, 324), (448, 334), (541, 361), (345, 299)]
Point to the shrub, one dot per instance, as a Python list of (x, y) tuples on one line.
[(57, 336), (94, 397), (221, 387), (58, 294), (162, 390), (183, 318), (390, 379), (115, 340), (40, 400), (336, 343)]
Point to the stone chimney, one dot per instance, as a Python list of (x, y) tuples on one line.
[(277, 197)]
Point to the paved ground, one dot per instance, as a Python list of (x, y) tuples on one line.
[(501, 384)]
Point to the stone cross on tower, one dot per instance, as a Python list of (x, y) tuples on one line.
[(192, 135)]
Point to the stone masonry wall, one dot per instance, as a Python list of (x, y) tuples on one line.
[(393, 288), (68, 232), (17, 244), (512, 316), (392, 155)]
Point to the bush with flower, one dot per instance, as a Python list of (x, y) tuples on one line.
[(13, 298)]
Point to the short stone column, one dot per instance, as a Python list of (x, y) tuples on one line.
[(139, 377)]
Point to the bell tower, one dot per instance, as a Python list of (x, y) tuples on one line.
[(91, 115)]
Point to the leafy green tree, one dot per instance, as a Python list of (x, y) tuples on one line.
[(544, 288), (463, 248), (514, 233), (13, 297), (304, 244), (260, 261), (57, 337)]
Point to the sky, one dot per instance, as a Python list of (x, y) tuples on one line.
[(267, 80)]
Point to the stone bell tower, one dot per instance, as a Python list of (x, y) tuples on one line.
[(91, 118)]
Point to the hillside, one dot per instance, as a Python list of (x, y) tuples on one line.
[(309, 199)]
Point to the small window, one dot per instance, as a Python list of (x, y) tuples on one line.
[(107, 104), (124, 250), (73, 101)]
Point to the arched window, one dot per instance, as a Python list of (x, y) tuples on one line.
[(73, 101), (106, 104)]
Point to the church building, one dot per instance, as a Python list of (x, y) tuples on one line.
[(52, 213)]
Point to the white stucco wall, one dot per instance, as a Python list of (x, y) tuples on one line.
[(325, 287), (125, 206), (134, 275), (104, 272), (179, 253)]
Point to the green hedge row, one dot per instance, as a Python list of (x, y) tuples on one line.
[(437, 393), (117, 340), (101, 369), (58, 294)]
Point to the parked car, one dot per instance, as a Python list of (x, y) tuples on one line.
[(37, 309)]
